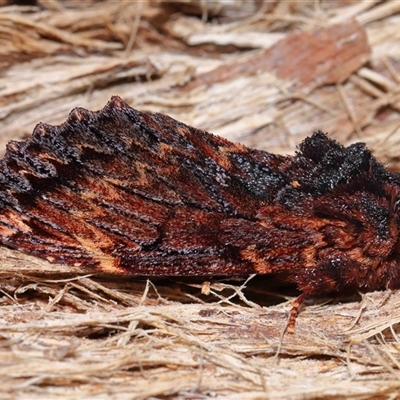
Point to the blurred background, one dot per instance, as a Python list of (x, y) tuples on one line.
[(265, 73)]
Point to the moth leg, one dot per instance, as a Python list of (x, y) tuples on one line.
[(294, 312)]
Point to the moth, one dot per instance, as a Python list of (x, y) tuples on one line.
[(139, 193)]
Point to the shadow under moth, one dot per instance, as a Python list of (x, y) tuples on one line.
[(139, 193)]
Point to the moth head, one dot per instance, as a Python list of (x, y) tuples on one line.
[(394, 214), (367, 211)]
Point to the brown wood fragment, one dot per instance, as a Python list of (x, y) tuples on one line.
[(331, 53)]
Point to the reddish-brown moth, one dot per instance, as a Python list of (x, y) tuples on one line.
[(130, 192)]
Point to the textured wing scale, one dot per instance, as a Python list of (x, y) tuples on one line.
[(130, 192), (140, 193)]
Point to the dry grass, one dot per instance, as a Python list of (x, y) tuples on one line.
[(214, 65)]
